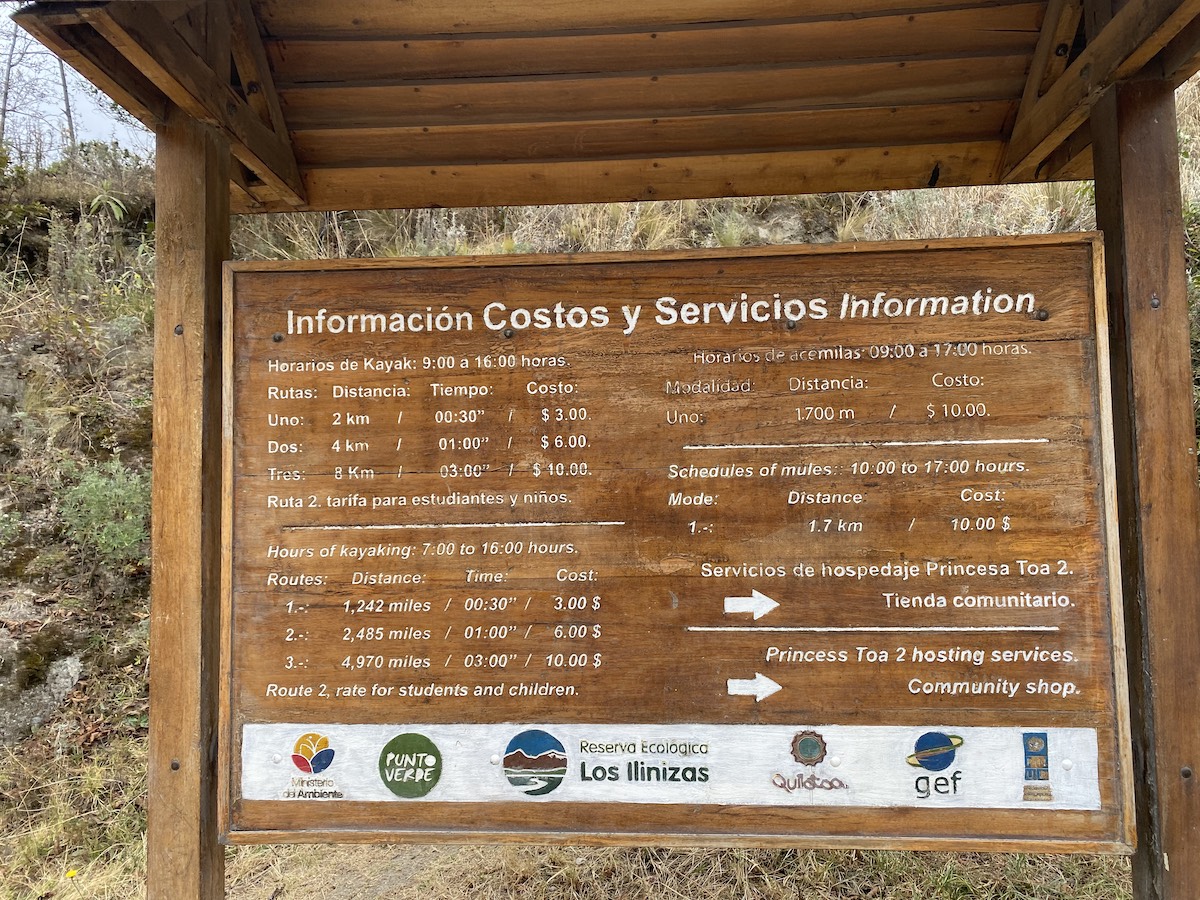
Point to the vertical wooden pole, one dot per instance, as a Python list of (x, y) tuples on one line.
[(1139, 208), (185, 860)]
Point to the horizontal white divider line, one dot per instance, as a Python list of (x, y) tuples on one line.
[(875, 628), (867, 444), (451, 525)]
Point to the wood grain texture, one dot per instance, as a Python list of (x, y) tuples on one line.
[(662, 178), (1139, 206), (1072, 161), (664, 136), (1058, 503), (1180, 59), (254, 69), (1052, 54), (379, 96), (158, 50), (1136, 33), (310, 18), (984, 32), (641, 94), (184, 857)]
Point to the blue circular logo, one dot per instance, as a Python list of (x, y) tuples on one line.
[(535, 762), (935, 751)]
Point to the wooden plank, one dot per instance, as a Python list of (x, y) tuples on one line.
[(645, 838), (188, 23), (1180, 59), (184, 856), (551, 98), (254, 69), (1119, 51), (285, 19), (1078, 167), (752, 131), (1053, 48), (94, 59), (663, 178), (245, 64), (242, 186), (158, 50), (987, 30), (175, 9), (1140, 208), (1073, 159)]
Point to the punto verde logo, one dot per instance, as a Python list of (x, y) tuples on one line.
[(410, 765)]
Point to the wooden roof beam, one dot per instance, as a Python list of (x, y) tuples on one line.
[(60, 27), (1125, 46), (250, 57), (1051, 56), (1180, 59), (156, 48), (389, 19), (738, 174)]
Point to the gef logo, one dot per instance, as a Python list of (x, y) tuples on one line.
[(934, 752)]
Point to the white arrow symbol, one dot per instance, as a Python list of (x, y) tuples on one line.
[(758, 603), (759, 687)]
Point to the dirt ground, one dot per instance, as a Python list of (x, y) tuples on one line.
[(323, 872)]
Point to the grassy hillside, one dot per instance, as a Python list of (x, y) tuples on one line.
[(76, 311)]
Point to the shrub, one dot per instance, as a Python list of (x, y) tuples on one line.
[(106, 514)]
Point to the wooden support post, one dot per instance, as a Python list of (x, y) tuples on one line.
[(185, 860), (1140, 209)]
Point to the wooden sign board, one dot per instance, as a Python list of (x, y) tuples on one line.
[(772, 547)]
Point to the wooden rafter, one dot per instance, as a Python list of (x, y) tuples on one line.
[(1136, 34), (1051, 56), (1180, 59), (64, 32), (1072, 161), (254, 69), (157, 49), (243, 188)]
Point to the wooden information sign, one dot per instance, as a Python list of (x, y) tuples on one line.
[(784, 546)]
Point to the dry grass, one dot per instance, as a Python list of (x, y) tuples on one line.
[(73, 821), (572, 873)]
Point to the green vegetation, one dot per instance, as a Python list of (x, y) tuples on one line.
[(76, 303), (106, 514), (76, 310)]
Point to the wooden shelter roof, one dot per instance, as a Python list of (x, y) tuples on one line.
[(420, 103)]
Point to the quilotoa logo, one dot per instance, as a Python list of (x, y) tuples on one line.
[(809, 748), (410, 765)]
